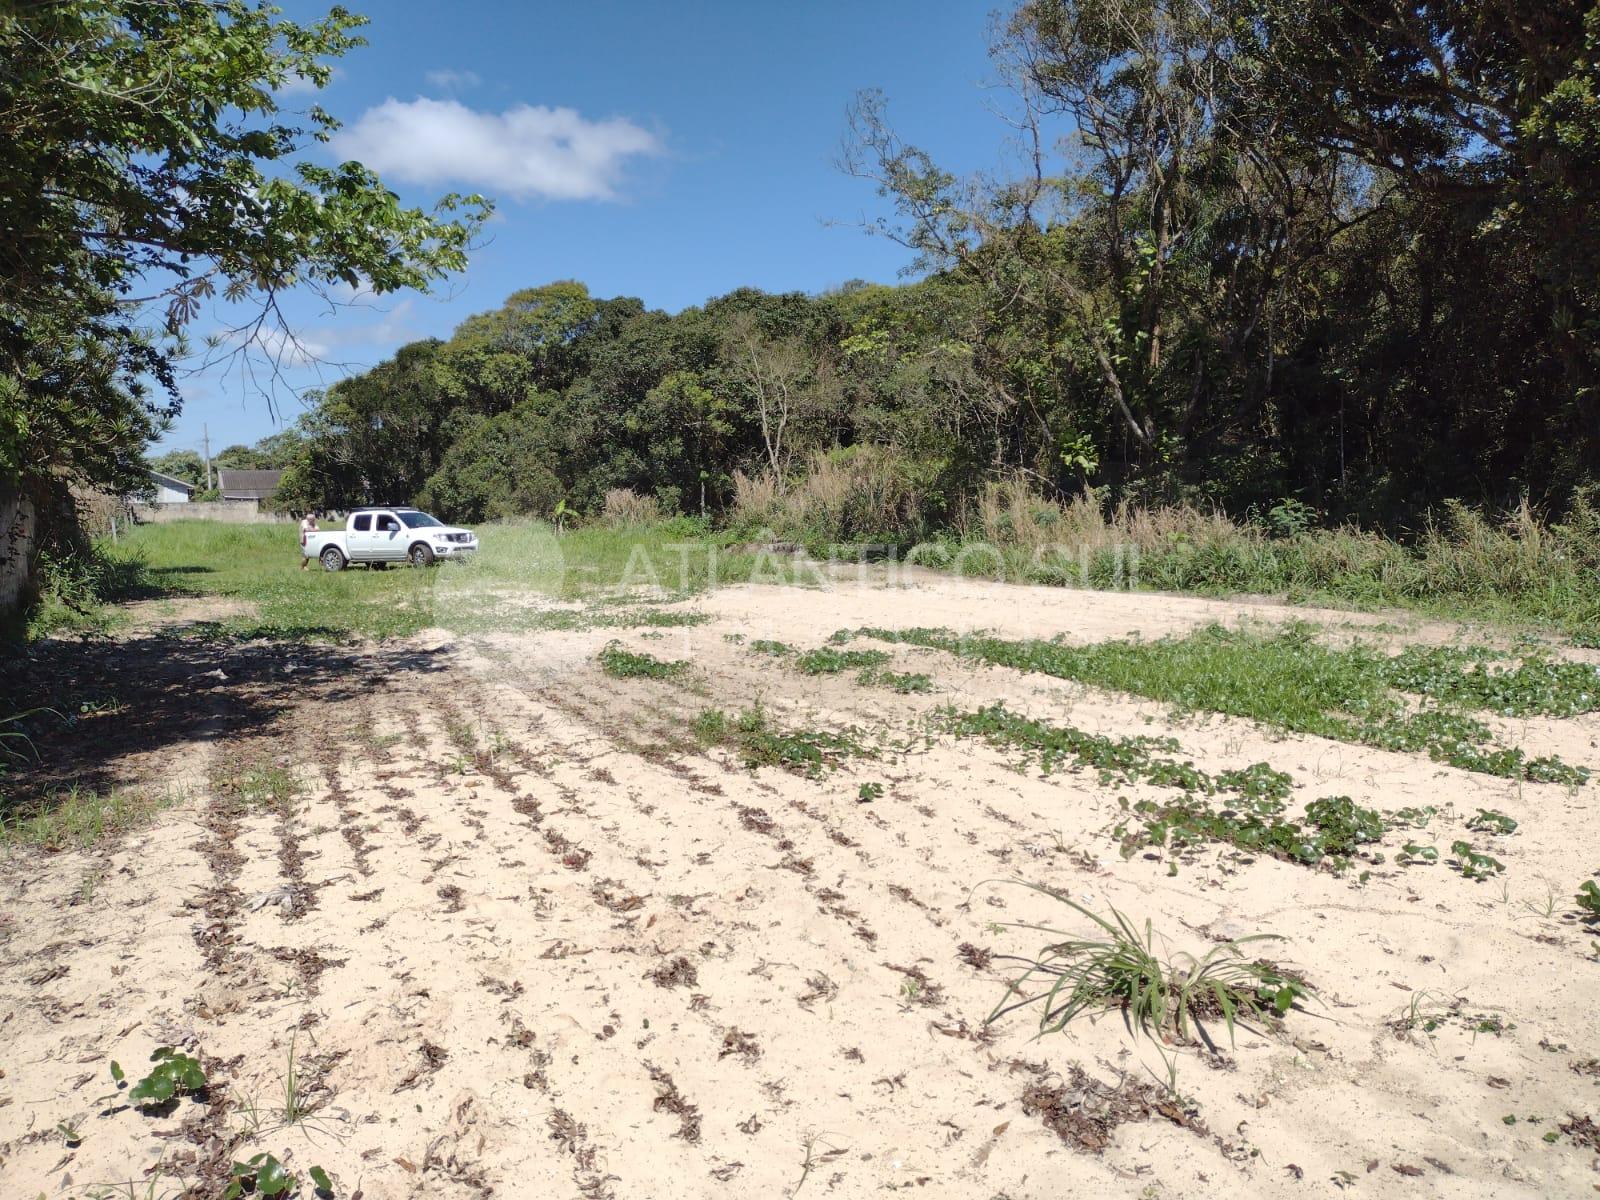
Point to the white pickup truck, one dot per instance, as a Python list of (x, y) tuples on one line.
[(380, 536)]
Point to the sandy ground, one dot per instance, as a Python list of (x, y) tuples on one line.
[(523, 938)]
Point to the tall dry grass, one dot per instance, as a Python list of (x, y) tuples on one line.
[(861, 493), (1516, 567), (625, 508), (1010, 513)]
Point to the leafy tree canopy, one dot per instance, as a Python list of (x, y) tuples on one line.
[(149, 169)]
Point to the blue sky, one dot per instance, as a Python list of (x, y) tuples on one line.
[(669, 152)]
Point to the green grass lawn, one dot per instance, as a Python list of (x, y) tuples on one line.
[(526, 576)]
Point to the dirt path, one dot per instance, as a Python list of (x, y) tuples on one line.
[(523, 937)]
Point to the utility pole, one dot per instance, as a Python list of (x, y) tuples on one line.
[(205, 442)]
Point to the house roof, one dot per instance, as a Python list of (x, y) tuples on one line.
[(171, 481), (247, 485)]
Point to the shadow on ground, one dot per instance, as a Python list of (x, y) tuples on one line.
[(92, 704)]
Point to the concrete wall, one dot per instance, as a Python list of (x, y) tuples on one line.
[(18, 535), (235, 512)]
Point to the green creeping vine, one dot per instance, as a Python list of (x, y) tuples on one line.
[(1289, 680), (868, 664), (1472, 864), (621, 663), (1334, 827), (828, 661), (266, 1176), (896, 681), (1124, 760), (178, 1074), (1588, 899), (750, 732)]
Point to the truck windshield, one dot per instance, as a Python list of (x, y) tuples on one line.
[(417, 520)]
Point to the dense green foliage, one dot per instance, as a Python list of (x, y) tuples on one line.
[(558, 396), (1294, 262), (148, 173)]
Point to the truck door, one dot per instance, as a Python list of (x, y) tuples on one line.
[(388, 538), (358, 538)]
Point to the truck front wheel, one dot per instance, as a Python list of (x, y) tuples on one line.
[(421, 555), (332, 559)]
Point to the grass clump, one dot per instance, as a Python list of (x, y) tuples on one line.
[(260, 785), (574, 620), (621, 663), (1463, 563), (75, 819), (752, 735), (1289, 680), (1118, 967)]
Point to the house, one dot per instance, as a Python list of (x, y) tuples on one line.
[(258, 486), (169, 490)]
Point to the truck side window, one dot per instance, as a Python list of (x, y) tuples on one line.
[(386, 523), (363, 524)]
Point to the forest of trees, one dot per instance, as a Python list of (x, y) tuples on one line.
[(1247, 252), (1254, 250)]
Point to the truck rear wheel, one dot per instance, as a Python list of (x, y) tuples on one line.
[(332, 559), (421, 555)]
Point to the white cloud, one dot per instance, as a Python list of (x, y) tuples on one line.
[(524, 152), (451, 81)]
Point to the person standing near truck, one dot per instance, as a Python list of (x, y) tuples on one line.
[(308, 526)]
